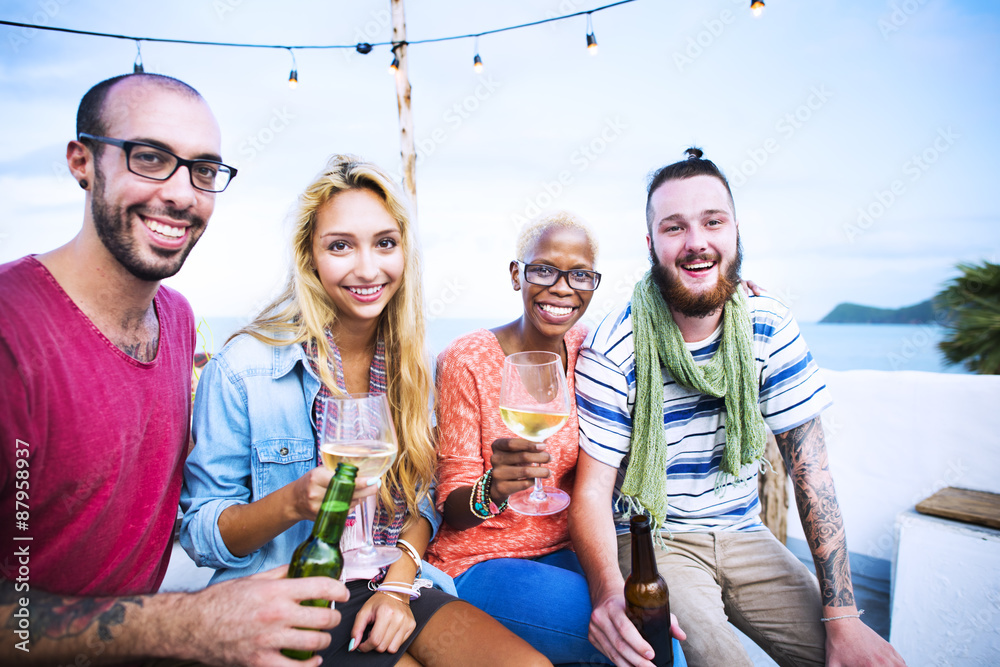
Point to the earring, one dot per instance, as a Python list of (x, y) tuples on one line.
[(83, 183)]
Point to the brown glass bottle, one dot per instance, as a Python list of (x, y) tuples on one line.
[(320, 554), (647, 601)]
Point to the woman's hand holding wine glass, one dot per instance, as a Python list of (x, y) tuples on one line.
[(535, 404), (516, 463), (358, 429), (308, 492)]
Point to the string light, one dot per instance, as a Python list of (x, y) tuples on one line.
[(394, 65), (293, 77), (757, 7), (477, 62), (361, 47), (137, 67)]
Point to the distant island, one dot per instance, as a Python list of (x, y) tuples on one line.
[(852, 313)]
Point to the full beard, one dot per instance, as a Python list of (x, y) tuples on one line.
[(113, 229), (697, 304)]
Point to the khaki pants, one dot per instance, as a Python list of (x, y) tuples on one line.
[(748, 579)]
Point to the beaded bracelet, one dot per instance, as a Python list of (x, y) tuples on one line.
[(480, 503), (837, 618)]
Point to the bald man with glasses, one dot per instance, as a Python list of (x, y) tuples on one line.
[(95, 360)]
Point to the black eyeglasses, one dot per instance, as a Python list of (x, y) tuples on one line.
[(159, 164), (547, 276)]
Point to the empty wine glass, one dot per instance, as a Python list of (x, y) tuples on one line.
[(534, 403)]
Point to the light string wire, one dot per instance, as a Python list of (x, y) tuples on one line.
[(393, 44)]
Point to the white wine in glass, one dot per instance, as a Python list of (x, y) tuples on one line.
[(358, 429), (534, 404), (372, 457)]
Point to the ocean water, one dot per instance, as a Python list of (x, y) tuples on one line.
[(839, 347)]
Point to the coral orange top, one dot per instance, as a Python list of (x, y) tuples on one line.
[(468, 384)]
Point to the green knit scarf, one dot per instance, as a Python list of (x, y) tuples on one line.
[(731, 373)]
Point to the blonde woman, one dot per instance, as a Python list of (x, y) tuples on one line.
[(349, 321)]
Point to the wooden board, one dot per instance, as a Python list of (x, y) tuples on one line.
[(978, 507)]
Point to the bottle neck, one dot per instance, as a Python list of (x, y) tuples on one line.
[(329, 525), (643, 555)]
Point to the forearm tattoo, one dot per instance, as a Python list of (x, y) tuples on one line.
[(55, 617), (804, 452)]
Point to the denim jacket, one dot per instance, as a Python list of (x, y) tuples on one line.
[(253, 435)]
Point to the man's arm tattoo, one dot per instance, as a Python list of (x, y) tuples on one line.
[(804, 451), (55, 617)]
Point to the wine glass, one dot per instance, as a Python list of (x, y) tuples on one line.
[(534, 403), (358, 429)]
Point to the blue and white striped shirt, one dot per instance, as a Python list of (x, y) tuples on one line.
[(791, 393)]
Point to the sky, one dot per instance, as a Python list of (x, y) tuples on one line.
[(860, 137)]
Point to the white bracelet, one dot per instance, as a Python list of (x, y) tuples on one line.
[(413, 590), (408, 549), (837, 618)]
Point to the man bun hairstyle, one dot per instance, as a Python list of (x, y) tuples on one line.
[(692, 165)]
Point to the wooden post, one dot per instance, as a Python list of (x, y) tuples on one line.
[(407, 150), (773, 490)]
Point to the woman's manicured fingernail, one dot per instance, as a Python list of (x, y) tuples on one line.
[(350, 647), (373, 481)]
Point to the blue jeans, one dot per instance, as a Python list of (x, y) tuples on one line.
[(542, 600)]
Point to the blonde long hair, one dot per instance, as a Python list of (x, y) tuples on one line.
[(304, 310)]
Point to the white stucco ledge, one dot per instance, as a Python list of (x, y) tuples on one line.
[(946, 592), (896, 437)]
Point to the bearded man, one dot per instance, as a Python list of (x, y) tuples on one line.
[(674, 393)]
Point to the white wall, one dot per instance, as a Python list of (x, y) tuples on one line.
[(946, 593), (896, 437)]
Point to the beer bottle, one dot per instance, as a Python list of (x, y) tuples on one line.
[(647, 601), (320, 554)]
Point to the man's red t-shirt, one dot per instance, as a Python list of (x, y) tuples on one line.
[(92, 441)]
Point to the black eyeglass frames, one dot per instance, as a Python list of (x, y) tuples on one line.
[(547, 276), (159, 164)]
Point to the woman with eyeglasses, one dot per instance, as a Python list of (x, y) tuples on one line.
[(518, 568)]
